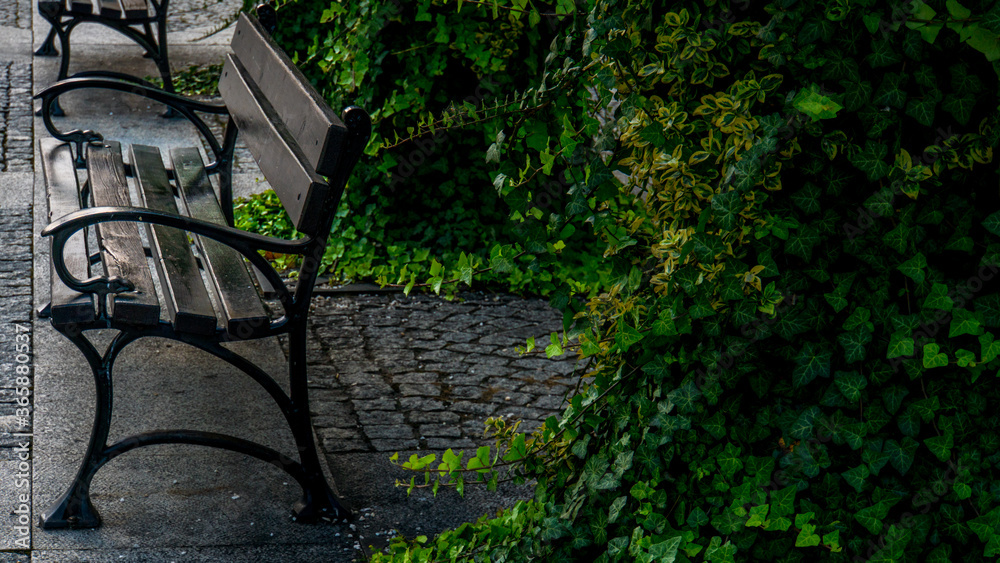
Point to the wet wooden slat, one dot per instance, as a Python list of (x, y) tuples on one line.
[(121, 247), (306, 115), (244, 313), (278, 154), (67, 306), (189, 307)]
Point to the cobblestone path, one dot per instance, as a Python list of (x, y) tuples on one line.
[(15, 325), (390, 373), (15, 116)]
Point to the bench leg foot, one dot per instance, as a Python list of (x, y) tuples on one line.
[(73, 510), (319, 505), (48, 48)]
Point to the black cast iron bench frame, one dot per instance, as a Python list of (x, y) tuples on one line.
[(297, 141), (131, 18)]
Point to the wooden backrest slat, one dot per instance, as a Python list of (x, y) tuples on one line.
[(305, 114), (245, 315), (135, 8), (189, 307), (302, 191), (68, 306), (111, 9), (121, 246), (83, 6)]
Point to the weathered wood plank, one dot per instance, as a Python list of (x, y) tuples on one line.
[(111, 9), (84, 6), (301, 190), (121, 247), (135, 8), (305, 114), (189, 307), (244, 313), (67, 306)]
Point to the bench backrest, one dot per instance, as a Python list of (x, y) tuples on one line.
[(292, 133)]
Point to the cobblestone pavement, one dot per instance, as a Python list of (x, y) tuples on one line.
[(391, 373), (16, 153), (15, 325), (15, 13)]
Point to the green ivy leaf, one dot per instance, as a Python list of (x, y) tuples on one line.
[(814, 104), (855, 344), (933, 358), (726, 208), (902, 453), (890, 92), (990, 348), (914, 267), (850, 384), (807, 536), (626, 337), (813, 361), (940, 446), (900, 344), (964, 321), (729, 461), (782, 501), (871, 517), (856, 477), (856, 94), (758, 516), (871, 160), (922, 109), (965, 358), (727, 522), (938, 298), (883, 54), (960, 107), (697, 518), (616, 508), (992, 223)]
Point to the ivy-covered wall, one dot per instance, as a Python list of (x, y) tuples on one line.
[(791, 215)]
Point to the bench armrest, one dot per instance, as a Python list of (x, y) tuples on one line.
[(185, 106), (243, 242)]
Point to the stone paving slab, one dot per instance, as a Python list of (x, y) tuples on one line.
[(404, 373)]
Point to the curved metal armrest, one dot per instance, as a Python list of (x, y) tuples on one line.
[(184, 106), (243, 242)]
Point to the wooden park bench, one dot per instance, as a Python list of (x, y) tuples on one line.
[(305, 151), (134, 19)]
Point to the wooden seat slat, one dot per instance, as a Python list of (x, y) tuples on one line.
[(244, 313), (121, 246), (189, 307), (277, 153), (307, 117), (68, 306)]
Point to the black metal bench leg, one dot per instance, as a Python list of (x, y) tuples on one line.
[(48, 48), (75, 509), (318, 500)]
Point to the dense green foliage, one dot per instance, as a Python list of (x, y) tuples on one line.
[(438, 78), (795, 347)]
